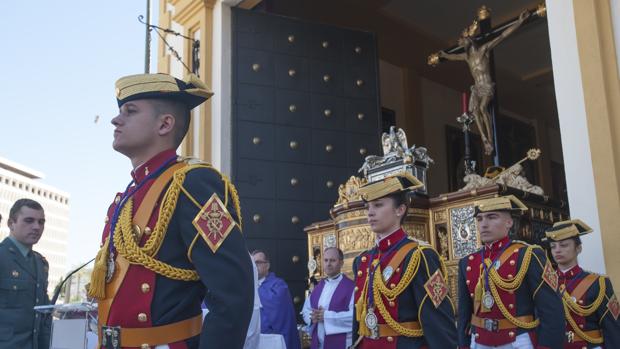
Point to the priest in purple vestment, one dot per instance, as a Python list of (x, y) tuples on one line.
[(277, 314), (328, 311)]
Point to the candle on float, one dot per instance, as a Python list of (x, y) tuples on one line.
[(464, 102)]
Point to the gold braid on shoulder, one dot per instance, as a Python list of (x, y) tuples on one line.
[(515, 282), (587, 310), (127, 247), (145, 255), (495, 281), (502, 308), (379, 289), (229, 189), (410, 272), (571, 306)]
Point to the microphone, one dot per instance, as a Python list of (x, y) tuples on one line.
[(60, 284)]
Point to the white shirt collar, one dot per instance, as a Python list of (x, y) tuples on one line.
[(334, 279)]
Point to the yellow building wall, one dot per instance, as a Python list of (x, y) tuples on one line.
[(194, 16), (599, 73)]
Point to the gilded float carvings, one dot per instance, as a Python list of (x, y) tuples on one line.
[(452, 267), (348, 192), (416, 231), (440, 216), (443, 244), (464, 236), (356, 239)]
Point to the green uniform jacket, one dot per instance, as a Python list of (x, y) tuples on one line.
[(23, 284)]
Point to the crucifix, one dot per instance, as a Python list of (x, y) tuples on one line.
[(477, 52)]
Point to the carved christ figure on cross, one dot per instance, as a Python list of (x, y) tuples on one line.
[(483, 89)]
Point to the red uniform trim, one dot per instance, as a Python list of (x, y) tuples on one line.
[(360, 279), (473, 272), (130, 300)]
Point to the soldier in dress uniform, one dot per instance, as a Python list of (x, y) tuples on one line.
[(507, 289), (401, 293), (590, 306), (173, 238), (23, 280)]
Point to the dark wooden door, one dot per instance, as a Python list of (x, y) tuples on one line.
[(305, 114)]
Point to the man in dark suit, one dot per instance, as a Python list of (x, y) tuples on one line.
[(23, 280)]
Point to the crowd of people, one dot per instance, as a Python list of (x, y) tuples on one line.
[(172, 245)]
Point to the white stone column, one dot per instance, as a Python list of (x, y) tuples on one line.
[(221, 130), (574, 129), (615, 19)]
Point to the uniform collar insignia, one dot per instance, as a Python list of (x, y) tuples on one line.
[(498, 245), (141, 172), (570, 273), (388, 241)]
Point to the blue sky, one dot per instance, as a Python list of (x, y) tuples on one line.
[(60, 61)]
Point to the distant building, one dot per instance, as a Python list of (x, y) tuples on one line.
[(18, 181), (75, 288)]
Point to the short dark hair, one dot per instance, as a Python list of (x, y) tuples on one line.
[(17, 206), (400, 198), (340, 253), (255, 252), (181, 113)]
